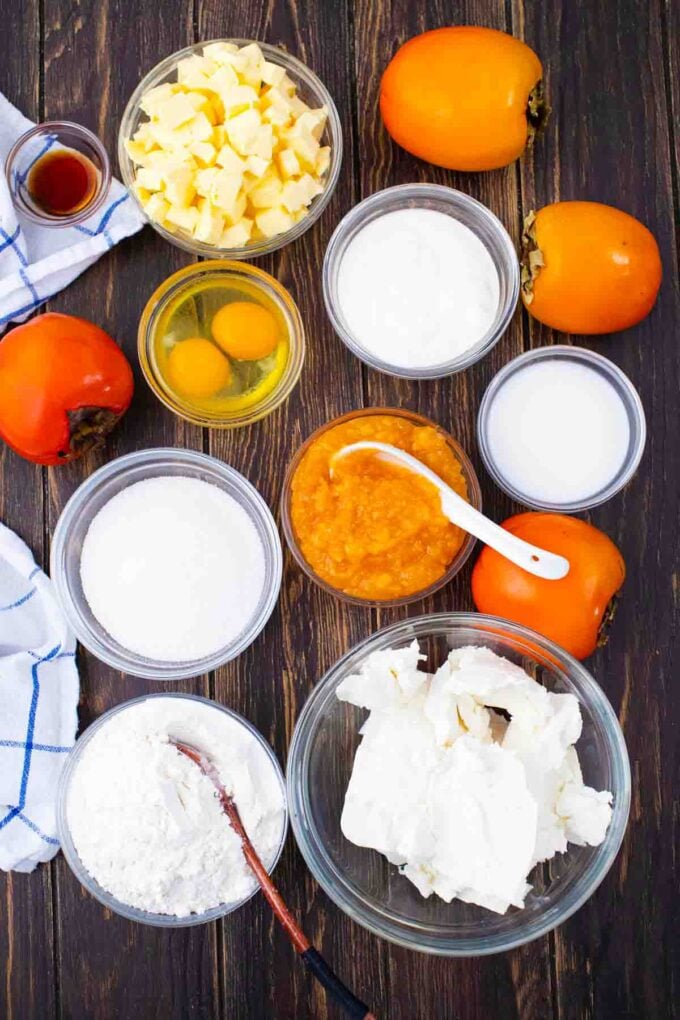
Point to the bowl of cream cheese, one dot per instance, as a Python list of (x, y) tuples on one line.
[(458, 784)]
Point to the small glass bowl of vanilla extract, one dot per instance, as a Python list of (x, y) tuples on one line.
[(58, 174)]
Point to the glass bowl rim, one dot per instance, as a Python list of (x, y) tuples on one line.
[(95, 143), (459, 560), (70, 852), (139, 666), (334, 127), (314, 853), (357, 215), (168, 289), (618, 380)]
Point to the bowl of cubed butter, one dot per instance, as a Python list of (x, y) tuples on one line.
[(231, 148)]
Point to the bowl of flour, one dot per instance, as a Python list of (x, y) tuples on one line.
[(420, 281), (167, 563), (140, 825)]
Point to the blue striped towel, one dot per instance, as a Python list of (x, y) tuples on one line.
[(38, 706), (36, 261)]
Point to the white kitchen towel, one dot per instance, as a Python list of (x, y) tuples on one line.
[(38, 706), (37, 261)]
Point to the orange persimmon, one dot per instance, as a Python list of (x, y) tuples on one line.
[(574, 611), (64, 383), (464, 97), (588, 268)]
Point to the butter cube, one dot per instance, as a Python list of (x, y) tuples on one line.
[(204, 181), (287, 86), (230, 160), (225, 189), (288, 163), (323, 160), (305, 146), (272, 74), (200, 128), (267, 193), (293, 196), (237, 98), (193, 66), (185, 218), (204, 153), (179, 186), (297, 106), (210, 224), (154, 97), (150, 177), (264, 142), (257, 165), (156, 208), (173, 112), (137, 151), (310, 186), (237, 212), (224, 78), (143, 135), (313, 121), (238, 235), (273, 221), (277, 116), (242, 131), (251, 68), (220, 51)]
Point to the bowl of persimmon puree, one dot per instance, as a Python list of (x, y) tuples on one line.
[(374, 533)]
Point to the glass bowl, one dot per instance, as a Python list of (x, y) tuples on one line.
[(170, 291), (468, 211), (87, 501), (32, 146), (370, 890), (310, 89), (474, 495), (624, 388), (91, 884)]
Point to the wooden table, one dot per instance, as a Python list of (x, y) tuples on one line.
[(610, 78)]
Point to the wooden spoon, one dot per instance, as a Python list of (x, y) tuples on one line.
[(352, 1006)]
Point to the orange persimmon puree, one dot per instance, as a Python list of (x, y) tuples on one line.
[(376, 530)]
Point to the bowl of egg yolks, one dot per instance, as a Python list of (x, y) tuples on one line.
[(221, 343)]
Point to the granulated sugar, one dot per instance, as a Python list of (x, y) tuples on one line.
[(146, 822), (173, 568)]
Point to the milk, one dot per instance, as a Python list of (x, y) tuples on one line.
[(558, 432)]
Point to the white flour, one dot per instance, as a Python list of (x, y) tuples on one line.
[(145, 821), (173, 568), (417, 288)]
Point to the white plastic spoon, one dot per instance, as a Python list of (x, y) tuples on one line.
[(535, 561)]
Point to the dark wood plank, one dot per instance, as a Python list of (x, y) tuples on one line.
[(517, 984), (609, 142), (94, 56), (309, 630), (26, 901)]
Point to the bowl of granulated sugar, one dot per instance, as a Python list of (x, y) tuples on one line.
[(167, 563)]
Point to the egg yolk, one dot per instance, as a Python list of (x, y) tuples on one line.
[(196, 368), (245, 330)]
